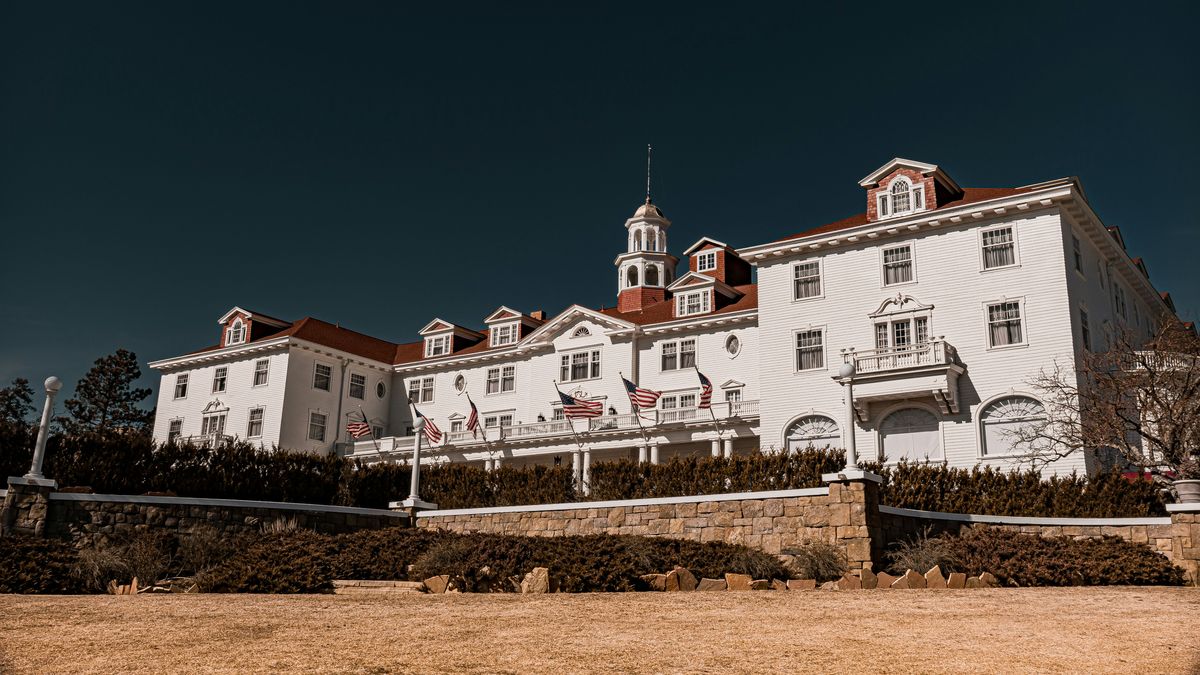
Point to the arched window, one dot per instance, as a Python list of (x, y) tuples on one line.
[(237, 333), (637, 240), (582, 331), (817, 431), (662, 241), (631, 277), (910, 433), (1002, 421), (900, 202), (652, 275)]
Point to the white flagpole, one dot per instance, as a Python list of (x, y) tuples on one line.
[(636, 412), (371, 428), (716, 425)]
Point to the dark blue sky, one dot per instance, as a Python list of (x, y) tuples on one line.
[(378, 164)]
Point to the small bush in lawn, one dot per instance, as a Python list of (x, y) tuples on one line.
[(204, 548), (820, 560), (97, 566), (923, 553), (35, 565)]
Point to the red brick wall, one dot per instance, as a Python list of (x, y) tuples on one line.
[(730, 269), (634, 299), (931, 193)]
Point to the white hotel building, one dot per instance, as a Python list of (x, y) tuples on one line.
[(947, 300)]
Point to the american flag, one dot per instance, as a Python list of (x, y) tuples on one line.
[(639, 397), (358, 429), (473, 419), (432, 433), (705, 392), (575, 408)]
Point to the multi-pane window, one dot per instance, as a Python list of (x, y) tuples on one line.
[(679, 354), (999, 249), (261, 368), (181, 382), (1118, 299), (376, 431), (322, 376), (358, 386), (219, 377), (706, 261), (254, 427), (807, 280), (1075, 249), (316, 426), (505, 334), (580, 366), (438, 345), (1085, 329), (810, 350), (1004, 324), (688, 304), (212, 425), (420, 390), (897, 265), (902, 334), (500, 380), (237, 333), (503, 421), (456, 425), (174, 430), (900, 198), (733, 395)]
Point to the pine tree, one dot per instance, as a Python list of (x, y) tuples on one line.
[(16, 402), (105, 399)]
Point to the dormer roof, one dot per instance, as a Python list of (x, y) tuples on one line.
[(921, 167), (706, 241), (697, 280), (502, 313), (256, 316), (440, 326)]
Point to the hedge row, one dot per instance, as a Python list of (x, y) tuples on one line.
[(627, 479)]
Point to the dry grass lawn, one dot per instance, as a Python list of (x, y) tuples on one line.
[(999, 630)]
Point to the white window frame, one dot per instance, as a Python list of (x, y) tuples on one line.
[(703, 305), (706, 261), (592, 363), (510, 333), (361, 384), (677, 349), (500, 380), (250, 422), (213, 423), (1085, 328), (981, 424), (421, 389), (240, 332), (987, 323), (221, 375), (438, 345), (1077, 254), (317, 366), (909, 319), (265, 371), (737, 339), (823, 350), (1016, 256), (496, 420), (324, 425), (912, 264), (181, 382), (734, 394), (820, 276), (174, 429), (885, 199)]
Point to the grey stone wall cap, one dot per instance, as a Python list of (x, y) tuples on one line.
[(411, 503), (653, 501), (851, 475), (1189, 507), (226, 503), (1022, 520), (38, 482)]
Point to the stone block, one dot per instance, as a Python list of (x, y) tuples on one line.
[(934, 578), (956, 580), (760, 585), (829, 586), (772, 508), (914, 579), (738, 582), (537, 581), (839, 515), (858, 550), (778, 585), (680, 579), (655, 582), (988, 580), (438, 584), (870, 580), (616, 517), (752, 508), (802, 584), (898, 583), (685, 510), (973, 582), (849, 582), (722, 518), (711, 585)]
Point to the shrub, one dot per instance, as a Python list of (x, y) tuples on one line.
[(300, 561), (204, 548), (35, 565), (820, 560), (381, 554), (923, 553), (460, 486), (1029, 560)]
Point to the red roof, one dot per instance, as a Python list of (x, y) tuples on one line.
[(969, 196), (662, 312), (332, 336)]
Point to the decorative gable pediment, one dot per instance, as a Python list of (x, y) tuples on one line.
[(436, 326), (732, 384), (565, 322), (214, 406), (900, 303), (503, 314), (692, 280)]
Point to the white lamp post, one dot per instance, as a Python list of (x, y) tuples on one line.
[(53, 385), (413, 503), (846, 374)]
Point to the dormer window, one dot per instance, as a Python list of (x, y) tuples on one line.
[(504, 334), (697, 302), (437, 345), (706, 261), (900, 198), (236, 333)]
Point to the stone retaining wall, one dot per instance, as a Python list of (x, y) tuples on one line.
[(774, 522)]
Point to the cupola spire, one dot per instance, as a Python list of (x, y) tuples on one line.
[(648, 149)]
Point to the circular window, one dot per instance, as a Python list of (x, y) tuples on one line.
[(460, 383), (380, 390), (733, 345)]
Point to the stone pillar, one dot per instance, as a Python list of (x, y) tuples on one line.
[(587, 472), (728, 448), (26, 507), (716, 447), (854, 515), (1185, 547), (654, 454), (643, 454)]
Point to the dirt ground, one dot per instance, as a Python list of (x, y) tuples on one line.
[(1114, 630)]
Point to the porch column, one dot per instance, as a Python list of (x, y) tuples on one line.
[(847, 375), (716, 447), (642, 454), (488, 465), (587, 472), (496, 463), (728, 448), (577, 468), (654, 454)]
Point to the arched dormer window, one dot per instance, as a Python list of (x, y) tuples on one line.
[(652, 275), (631, 277), (900, 198), (236, 334)]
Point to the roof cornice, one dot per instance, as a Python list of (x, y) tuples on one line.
[(269, 344)]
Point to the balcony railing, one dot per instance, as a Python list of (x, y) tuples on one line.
[(535, 429), (206, 439), (936, 352), (617, 422)]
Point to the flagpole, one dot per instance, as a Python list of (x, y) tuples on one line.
[(570, 422), (716, 425), (368, 423), (482, 428), (636, 413)]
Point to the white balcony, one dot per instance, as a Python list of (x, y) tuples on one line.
[(925, 370), (205, 440)]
